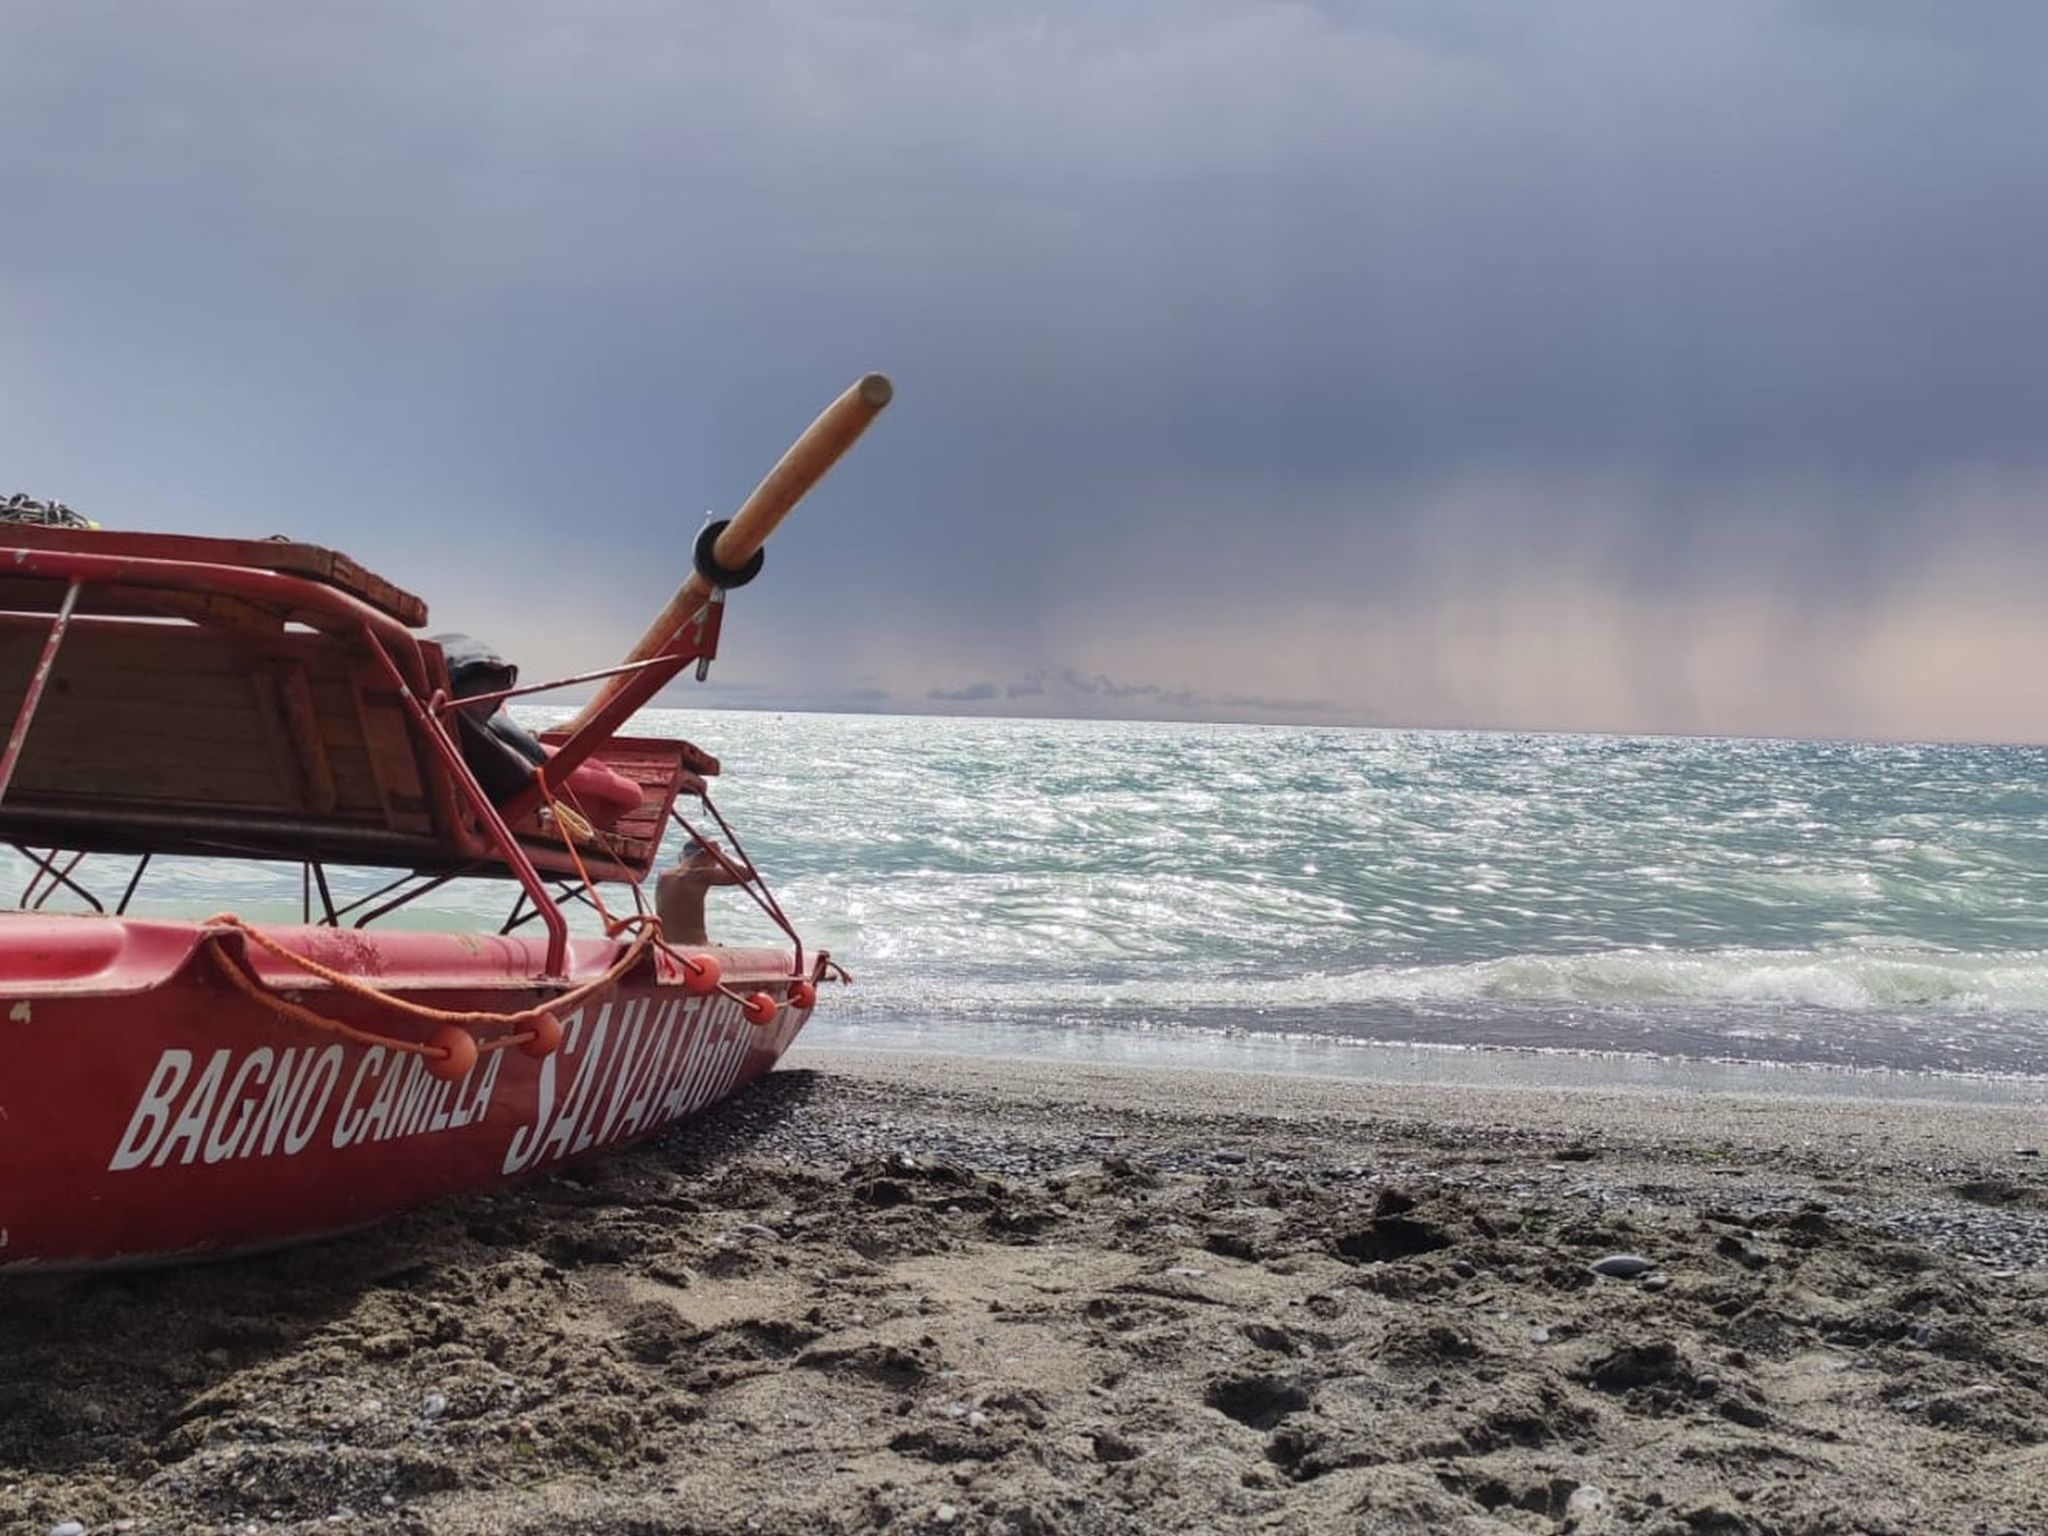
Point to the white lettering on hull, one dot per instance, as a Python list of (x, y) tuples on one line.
[(631, 1071), (619, 1073), (272, 1103)]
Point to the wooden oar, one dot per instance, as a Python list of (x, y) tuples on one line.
[(798, 470)]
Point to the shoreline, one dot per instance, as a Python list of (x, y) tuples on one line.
[(1640, 1109), (1429, 1064), (885, 1291)]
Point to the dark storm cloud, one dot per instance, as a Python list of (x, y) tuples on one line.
[(1263, 349)]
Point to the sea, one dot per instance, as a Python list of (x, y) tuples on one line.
[(1775, 916)]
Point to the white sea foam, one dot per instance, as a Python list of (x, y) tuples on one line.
[(1846, 980), (1855, 905)]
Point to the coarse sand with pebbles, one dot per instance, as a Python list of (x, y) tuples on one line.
[(916, 1293)]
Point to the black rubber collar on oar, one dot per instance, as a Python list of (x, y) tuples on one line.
[(705, 557)]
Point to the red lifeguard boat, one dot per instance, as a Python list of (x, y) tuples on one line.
[(177, 1089)]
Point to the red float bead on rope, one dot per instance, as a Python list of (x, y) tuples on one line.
[(802, 996), (453, 1055), (546, 1037), (700, 975), (759, 1008)]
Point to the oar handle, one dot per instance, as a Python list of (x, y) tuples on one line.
[(821, 446), (802, 467)]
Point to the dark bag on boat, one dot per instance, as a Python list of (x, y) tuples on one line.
[(500, 751)]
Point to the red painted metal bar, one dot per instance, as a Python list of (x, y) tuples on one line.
[(295, 594), (60, 879), (515, 857), (426, 887), (695, 641), (134, 880), (752, 883), (363, 901), (33, 897), (25, 716), (447, 706), (326, 896)]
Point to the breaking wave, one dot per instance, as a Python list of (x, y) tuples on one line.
[(1846, 981)]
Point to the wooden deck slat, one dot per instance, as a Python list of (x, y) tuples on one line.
[(294, 559)]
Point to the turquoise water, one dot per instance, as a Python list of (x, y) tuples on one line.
[(1847, 905)]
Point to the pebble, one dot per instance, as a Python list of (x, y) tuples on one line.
[(1539, 1335), (1622, 1266), (68, 1528), (434, 1406), (1585, 1500), (1655, 1282), (1465, 1269), (1229, 1155), (945, 1514)]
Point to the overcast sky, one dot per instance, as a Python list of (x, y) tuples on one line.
[(1620, 365)]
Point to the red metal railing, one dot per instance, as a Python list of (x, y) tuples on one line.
[(397, 651), (17, 738)]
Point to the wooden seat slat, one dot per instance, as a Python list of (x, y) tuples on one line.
[(290, 557)]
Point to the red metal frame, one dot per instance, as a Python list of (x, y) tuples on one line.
[(123, 1036), (419, 686), (18, 737), (387, 640), (307, 600), (508, 848), (695, 641), (470, 700)]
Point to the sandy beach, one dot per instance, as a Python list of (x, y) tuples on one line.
[(916, 1293)]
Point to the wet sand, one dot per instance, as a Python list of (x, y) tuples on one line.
[(919, 1293)]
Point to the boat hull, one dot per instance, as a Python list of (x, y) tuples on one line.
[(150, 1111)]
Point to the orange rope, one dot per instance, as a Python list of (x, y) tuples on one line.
[(249, 988), (649, 933), (613, 925), (646, 929)]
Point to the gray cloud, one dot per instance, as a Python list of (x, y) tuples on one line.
[(1445, 360)]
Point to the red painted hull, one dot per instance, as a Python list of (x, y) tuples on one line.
[(150, 1111)]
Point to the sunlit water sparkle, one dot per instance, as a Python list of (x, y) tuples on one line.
[(1842, 905)]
